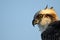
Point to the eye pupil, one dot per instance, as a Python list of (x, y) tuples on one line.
[(41, 15)]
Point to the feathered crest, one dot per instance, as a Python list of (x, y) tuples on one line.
[(51, 8), (47, 7)]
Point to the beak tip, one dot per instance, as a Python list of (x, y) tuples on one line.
[(33, 23)]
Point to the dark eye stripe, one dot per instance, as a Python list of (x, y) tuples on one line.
[(39, 16), (49, 15)]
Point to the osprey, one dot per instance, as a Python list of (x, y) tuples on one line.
[(48, 23)]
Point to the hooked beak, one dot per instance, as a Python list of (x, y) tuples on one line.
[(35, 21)]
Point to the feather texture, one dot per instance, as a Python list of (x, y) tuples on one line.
[(52, 32)]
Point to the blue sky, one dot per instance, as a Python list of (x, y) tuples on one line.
[(16, 18)]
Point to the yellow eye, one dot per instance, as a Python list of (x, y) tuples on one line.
[(40, 15)]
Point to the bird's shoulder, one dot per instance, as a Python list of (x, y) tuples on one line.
[(53, 31)]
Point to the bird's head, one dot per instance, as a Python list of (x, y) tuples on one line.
[(44, 17)]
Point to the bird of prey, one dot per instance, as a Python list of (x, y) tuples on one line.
[(48, 24)]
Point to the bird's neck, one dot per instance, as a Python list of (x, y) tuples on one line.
[(42, 28)]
